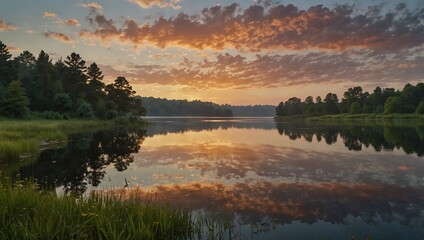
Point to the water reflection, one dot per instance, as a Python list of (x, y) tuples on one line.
[(83, 161), (380, 137), (284, 163), (253, 169), (289, 202)]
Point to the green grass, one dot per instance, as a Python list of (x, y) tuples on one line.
[(23, 139), (27, 212)]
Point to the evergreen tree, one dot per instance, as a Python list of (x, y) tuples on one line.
[(14, 102), (121, 93), (75, 80), (25, 66), (7, 71), (44, 86), (95, 85)]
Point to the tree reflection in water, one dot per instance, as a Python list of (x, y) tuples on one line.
[(380, 137), (255, 180), (84, 159)]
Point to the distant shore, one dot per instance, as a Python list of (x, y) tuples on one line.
[(365, 117)]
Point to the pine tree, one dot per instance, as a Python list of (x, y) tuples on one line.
[(7, 72), (14, 102)]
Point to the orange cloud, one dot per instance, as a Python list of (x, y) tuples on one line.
[(268, 28), (72, 22), (268, 71), (405, 65), (55, 18), (6, 27), (159, 3), (50, 15), (59, 36), (92, 5), (14, 49)]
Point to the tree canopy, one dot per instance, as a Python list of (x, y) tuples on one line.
[(382, 100), (37, 85)]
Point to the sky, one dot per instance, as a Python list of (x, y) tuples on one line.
[(239, 52)]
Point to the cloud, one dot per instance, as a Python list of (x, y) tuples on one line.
[(158, 3), (6, 27), (72, 22), (92, 5), (58, 36), (14, 49), (50, 15), (268, 28), (269, 71), (55, 18)]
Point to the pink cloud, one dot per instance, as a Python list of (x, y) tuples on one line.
[(58, 36), (269, 28), (158, 3), (6, 27)]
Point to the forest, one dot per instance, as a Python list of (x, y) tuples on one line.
[(166, 107), (33, 86), (355, 101), (252, 110)]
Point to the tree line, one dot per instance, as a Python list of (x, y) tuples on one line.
[(251, 111), (355, 101), (166, 107), (31, 85)]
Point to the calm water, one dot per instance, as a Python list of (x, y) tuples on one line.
[(299, 181)]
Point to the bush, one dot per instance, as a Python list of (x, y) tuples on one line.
[(111, 114), (110, 105), (51, 115), (393, 105), (420, 108), (62, 102), (122, 120), (355, 108), (85, 110)]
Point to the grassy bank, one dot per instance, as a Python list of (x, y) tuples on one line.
[(22, 140)]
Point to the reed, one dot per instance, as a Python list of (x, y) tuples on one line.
[(26, 212)]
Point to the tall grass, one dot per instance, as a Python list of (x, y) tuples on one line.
[(27, 213)]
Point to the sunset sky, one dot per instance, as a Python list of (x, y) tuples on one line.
[(236, 52)]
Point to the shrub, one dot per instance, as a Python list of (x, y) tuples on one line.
[(420, 108), (122, 120), (51, 115), (355, 108), (111, 114), (62, 102), (110, 105), (85, 111)]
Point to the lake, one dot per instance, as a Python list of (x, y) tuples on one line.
[(276, 180)]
